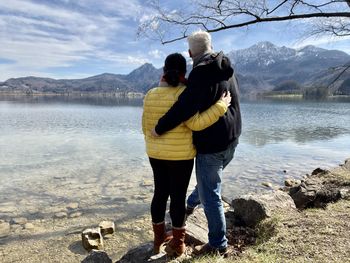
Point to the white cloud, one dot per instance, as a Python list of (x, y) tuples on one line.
[(156, 54), (40, 36)]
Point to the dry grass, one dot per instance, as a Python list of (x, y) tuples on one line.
[(313, 235)]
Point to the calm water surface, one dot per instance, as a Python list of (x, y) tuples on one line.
[(45, 141)]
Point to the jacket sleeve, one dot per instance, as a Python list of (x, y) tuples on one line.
[(186, 106), (208, 117)]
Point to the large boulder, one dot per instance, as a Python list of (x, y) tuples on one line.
[(141, 254), (322, 187), (250, 209), (97, 257)]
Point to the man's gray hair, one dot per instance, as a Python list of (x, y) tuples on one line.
[(199, 42)]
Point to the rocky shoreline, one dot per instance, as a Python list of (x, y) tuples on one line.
[(249, 216), (258, 225)]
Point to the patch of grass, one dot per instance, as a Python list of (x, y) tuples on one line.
[(313, 235), (266, 229)]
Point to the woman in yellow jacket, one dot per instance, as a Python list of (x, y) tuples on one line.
[(171, 155)]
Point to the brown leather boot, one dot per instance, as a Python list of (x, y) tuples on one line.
[(160, 236), (176, 246)]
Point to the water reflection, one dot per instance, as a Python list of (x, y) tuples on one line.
[(299, 135), (84, 100), (271, 121)]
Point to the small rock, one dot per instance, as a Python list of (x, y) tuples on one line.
[(146, 183), (92, 239), (140, 197), (97, 257), (16, 228), (292, 182), (318, 171), (347, 164), (19, 220), (107, 227), (29, 226), (61, 215), (75, 214), (8, 208), (72, 206), (266, 184), (344, 193), (4, 229)]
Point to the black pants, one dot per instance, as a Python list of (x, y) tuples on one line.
[(171, 178)]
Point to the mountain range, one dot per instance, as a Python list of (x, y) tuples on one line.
[(259, 68)]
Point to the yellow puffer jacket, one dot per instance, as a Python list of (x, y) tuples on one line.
[(177, 143)]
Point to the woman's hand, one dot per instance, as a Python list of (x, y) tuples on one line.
[(226, 97), (154, 133)]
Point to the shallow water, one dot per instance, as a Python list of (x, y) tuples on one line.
[(57, 150)]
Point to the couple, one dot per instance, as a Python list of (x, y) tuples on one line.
[(207, 104)]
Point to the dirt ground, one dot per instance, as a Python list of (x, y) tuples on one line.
[(59, 240)]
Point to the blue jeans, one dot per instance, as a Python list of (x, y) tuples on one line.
[(209, 169)]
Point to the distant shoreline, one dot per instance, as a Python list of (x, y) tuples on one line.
[(137, 95)]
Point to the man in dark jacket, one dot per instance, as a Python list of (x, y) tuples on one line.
[(212, 75)]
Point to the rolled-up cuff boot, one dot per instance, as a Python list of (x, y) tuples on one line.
[(176, 246), (160, 236)]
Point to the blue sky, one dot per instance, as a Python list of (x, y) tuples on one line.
[(81, 38)]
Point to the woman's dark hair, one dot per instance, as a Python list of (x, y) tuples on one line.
[(174, 69)]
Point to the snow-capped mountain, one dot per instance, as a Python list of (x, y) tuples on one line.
[(271, 65), (261, 54), (259, 68)]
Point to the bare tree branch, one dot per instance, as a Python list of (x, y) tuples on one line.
[(346, 67), (261, 20), (229, 14)]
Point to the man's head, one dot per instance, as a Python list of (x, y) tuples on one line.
[(199, 42)]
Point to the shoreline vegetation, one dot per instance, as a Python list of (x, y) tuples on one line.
[(139, 95)]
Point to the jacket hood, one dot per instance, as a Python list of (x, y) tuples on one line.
[(218, 64)]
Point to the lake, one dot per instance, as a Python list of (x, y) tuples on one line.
[(91, 151)]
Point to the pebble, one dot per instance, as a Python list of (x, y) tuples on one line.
[(16, 228), (61, 215), (75, 214), (8, 208), (291, 182), (29, 226), (72, 206), (19, 220), (4, 229), (267, 184), (147, 183), (140, 197)]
